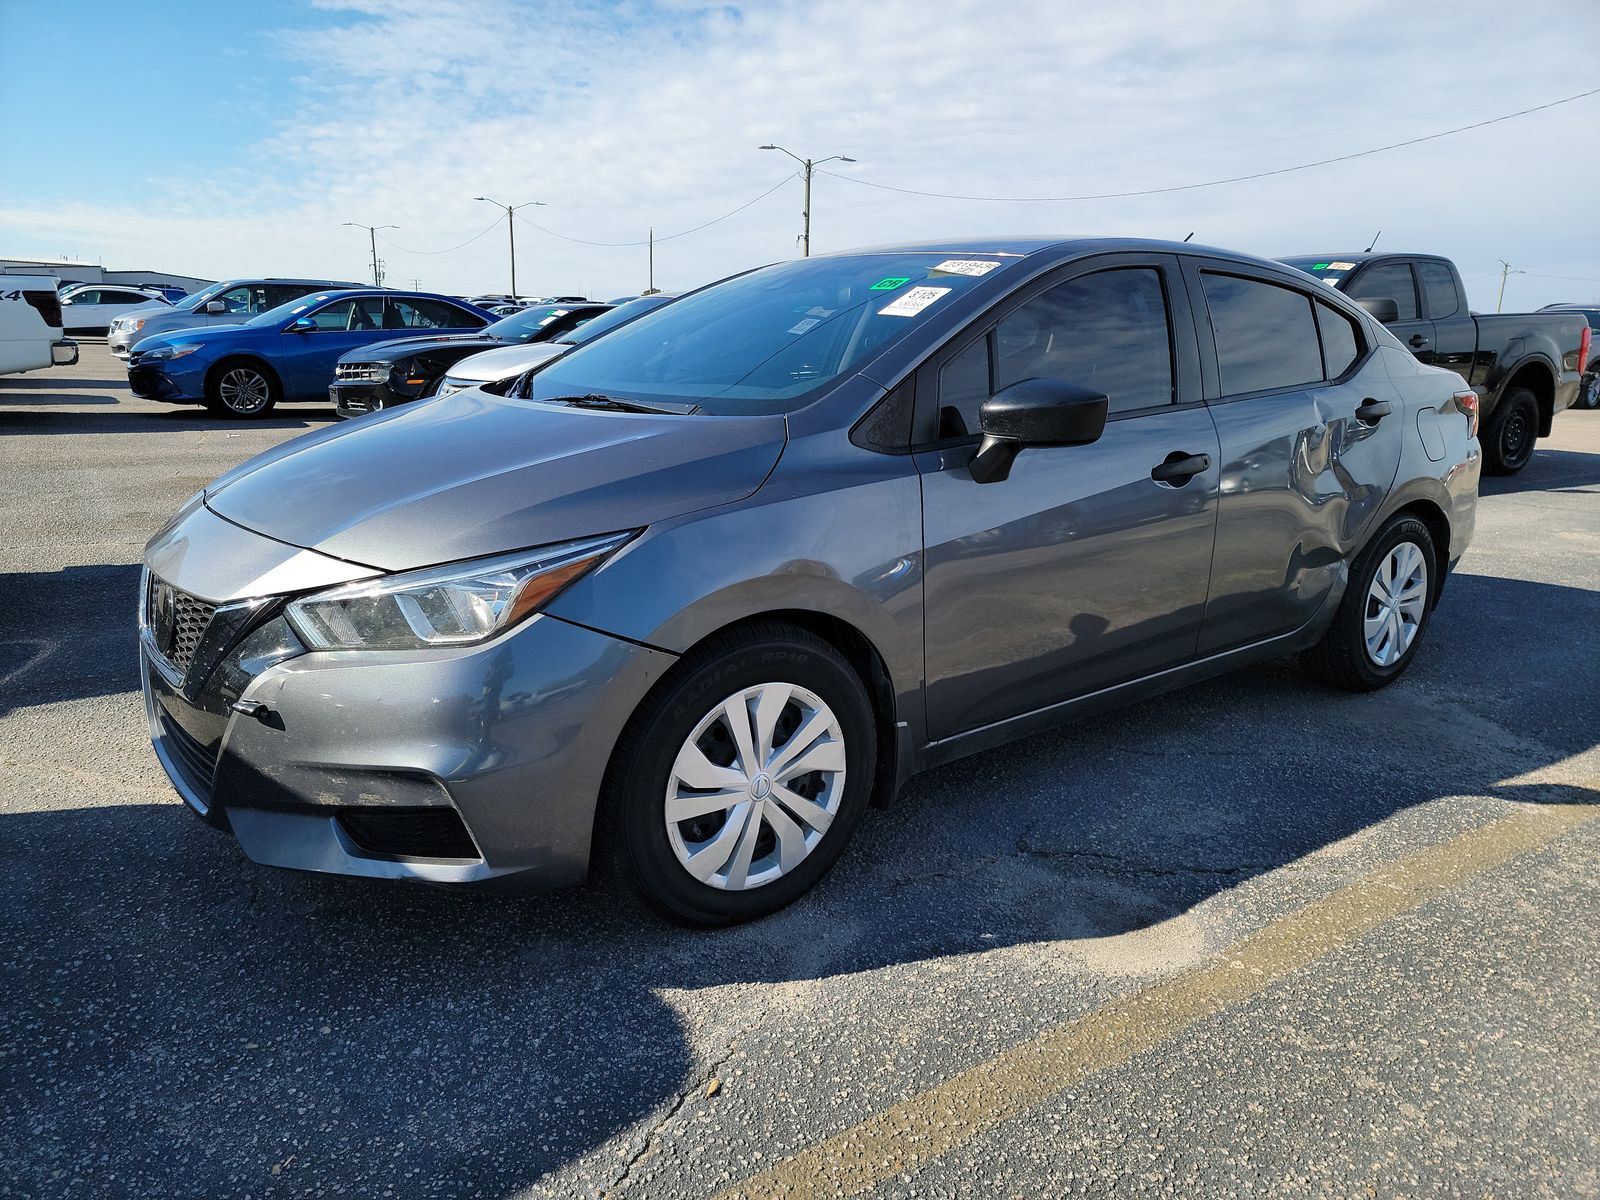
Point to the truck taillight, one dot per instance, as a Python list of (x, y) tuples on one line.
[(1467, 401), (1584, 344), (49, 306)]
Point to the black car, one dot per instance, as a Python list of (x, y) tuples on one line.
[(396, 372)]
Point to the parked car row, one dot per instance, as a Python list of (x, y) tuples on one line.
[(716, 581)]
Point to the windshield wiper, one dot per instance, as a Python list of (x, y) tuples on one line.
[(596, 400)]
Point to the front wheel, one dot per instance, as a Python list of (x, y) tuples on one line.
[(1383, 613), (241, 388), (736, 787), (1589, 392), (1510, 433)]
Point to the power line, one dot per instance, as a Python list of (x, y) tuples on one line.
[(448, 249), (1189, 187), (666, 237)]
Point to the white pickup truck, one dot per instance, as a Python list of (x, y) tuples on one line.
[(30, 325)]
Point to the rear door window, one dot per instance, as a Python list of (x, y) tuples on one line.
[(1341, 341), (1387, 281), (1439, 286), (1266, 335)]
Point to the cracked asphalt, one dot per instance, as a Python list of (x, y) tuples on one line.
[(179, 1022)]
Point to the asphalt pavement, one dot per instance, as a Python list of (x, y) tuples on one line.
[(1253, 938)]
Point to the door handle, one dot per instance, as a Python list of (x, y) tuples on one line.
[(1179, 468), (1418, 341), (1370, 411)]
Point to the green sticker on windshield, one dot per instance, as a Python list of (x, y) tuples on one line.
[(1319, 266), (889, 285)]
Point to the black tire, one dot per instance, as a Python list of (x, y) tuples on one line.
[(1589, 390), (633, 838), (233, 381), (1341, 658), (1511, 432)]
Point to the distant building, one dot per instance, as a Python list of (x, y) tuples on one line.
[(82, 272)]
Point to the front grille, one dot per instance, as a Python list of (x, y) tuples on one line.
[(178, 622), (409, 832), (360, 372), (197, 763)]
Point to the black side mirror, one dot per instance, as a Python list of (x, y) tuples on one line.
[(1035, 412), (1381, 309)]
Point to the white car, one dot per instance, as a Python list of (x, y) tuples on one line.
[(507, 362), (91, 307), (30, 325)]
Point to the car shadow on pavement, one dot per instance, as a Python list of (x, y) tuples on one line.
[(59, 389), (67, 634), (1549, 471), (179, 419), (181, 1021)]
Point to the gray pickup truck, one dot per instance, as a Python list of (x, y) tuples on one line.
[(1524, 366)]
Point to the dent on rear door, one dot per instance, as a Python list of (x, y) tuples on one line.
[(1302, 479)]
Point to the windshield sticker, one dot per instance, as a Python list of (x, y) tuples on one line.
[(913, 302), (891, 283), (548, 319), (1341, 267), (1332, 280), (819, 312), (807, 325), (965, 266), (1319, 266)]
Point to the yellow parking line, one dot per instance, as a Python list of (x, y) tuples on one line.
[(954, 1112)]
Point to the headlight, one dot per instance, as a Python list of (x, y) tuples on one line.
[(457, 605), (162, 353), (448, 385)]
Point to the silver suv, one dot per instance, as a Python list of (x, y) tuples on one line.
[(227, 303)]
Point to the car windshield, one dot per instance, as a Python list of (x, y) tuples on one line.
[(289, 309), (769, 340), (1330, 270), (190, 303), (611, 318), (527, 325)]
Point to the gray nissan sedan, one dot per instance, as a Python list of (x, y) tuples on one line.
[(703, 591)]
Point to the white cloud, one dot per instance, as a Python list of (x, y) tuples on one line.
[(630, 115)]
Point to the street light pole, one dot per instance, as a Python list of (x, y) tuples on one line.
[(372, 239), (511, 231), (806, 168)]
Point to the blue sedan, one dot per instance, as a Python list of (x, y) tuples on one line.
[(288, 352)]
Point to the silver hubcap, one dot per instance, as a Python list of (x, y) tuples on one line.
[(1395, 603), (243, 390), (755, 786)]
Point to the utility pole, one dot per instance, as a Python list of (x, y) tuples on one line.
[(372, 239), (651, 289), (511, 231), (1505, 269), (807, 166)]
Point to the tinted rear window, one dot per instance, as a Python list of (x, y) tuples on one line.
[(1266, 337), (1387, 281)]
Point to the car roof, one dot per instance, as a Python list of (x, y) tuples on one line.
[(1364, 256), (1054, 247)]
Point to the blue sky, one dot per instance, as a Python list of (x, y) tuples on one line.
[(227, 139)]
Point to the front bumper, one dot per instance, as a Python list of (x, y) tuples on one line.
[(63, 353), (351, 399), (477, 766), (151, 381)]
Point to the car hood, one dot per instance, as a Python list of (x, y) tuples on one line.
[(396, 348), (183, 336), (473, 474), (506, 361), (154, 308)]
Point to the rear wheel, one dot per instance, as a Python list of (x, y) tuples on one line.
[(240, 387), (1589, 392), (1510, 434), (1385, 608), (737, 787)]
